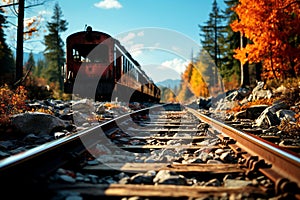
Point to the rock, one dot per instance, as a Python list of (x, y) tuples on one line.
[(241, 114), (4, 155), (37, 123), (285, 114), (67, 179), (79, 118), (226, 157), (253, 112), (259, 93), (204, 103), (236, 183), (169, 177), (84, 106), (268, 117), (213, 182), (145, 178), (6, 145), (30, 138)]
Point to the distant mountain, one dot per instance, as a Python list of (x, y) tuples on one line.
[(169, 83), (36, 56)]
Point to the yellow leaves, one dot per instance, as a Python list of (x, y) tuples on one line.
[(195, 81), (12, 102)]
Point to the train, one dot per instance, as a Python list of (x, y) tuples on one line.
[(98, 66)]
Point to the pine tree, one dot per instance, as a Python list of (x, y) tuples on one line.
[(54, 52), (39, 69), (7, 66), (231, 66), (213, 34), (30, 64)]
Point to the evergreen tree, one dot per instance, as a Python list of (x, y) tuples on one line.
[(30, 64), (214, 34), (7, 65), (54, 52), (231, 66), (39, 70)]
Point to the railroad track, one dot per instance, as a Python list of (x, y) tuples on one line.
[(166, 152)]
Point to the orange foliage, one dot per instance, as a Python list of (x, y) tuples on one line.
[(11, 102), (273, 26), (31, 26), (238, 108)]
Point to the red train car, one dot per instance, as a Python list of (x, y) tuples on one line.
[(99, 66)]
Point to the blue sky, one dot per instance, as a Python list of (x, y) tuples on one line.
[(120, 17)]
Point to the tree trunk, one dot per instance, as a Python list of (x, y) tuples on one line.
[(244, 67), (20, 31)]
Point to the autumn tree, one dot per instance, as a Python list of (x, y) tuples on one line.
[(7, 67), (54, 52), (198, 84), (273, 27), (193, 81)]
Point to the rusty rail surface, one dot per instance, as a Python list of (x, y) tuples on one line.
[(282, 166)]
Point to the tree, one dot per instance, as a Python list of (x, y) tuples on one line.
[(30, 64), (184, 92), (193, 80), (6, 57), (273, 28), (39, 69), (198, 84), (213, 34), (231, 67), (54, 52), (20, 31)]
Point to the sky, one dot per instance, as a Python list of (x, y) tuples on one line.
[(160, 34)]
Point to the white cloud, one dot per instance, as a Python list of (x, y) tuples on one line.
[(176, 64), (140, 34), (136, 50), (108, 4), (127, 38), (44, 12)]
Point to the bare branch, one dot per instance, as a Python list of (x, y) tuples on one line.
[(12, 4)]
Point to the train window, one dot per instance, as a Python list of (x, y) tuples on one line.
[(91, 53), (124, 65)]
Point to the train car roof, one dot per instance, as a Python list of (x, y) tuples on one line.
[(85, 32)]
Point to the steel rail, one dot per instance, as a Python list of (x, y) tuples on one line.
[(50, 146), (284, 164)]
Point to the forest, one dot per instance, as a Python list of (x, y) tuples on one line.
[(248, 41)]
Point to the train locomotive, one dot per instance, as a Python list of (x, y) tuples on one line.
[(98, 66)]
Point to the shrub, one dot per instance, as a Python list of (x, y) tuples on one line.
[(11, 102)]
